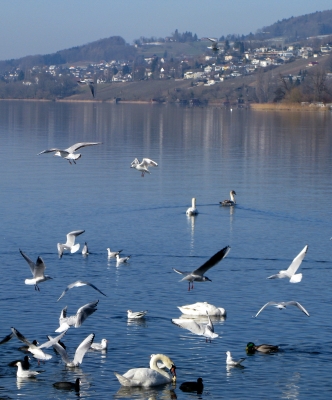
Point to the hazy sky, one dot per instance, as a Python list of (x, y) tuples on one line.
[(30, 27)]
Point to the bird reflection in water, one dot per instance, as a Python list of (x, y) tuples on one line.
[(145, 393)]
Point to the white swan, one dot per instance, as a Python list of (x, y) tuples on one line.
[(200, 308), (37, 271), (192, 210), (232, 201), (291, 270), (143, 165), (70, 243), (152, 376)]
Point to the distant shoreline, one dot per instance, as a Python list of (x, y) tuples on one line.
[(252, 106)]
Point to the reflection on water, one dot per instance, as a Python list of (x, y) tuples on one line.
[(280, 163), (154, 393)]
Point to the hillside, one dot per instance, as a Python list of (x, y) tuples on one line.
[(295, 28)]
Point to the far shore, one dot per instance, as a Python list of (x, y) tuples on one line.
[(215, 103)]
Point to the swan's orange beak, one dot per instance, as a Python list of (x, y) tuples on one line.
[(172, 370)]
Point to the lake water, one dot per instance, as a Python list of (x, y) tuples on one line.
[(280, 166)]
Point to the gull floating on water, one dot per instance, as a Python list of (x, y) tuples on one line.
[(192, 210), (136, 315), (282, 305), (143, 165), (152, 376), (100, 346), (76, 320), (37, 271), (111, 254), (231, 363), (85, 250), (198, 274), (200, 308), (232, 201), (78, 284), (70, 243), (69, 154), (25, 373), (121, 260), (206, 330), (290, 272), (79, 353), (36, 350)]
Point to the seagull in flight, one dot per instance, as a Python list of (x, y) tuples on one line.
[(282, 305), (90, 84), (76, 320), (214, 45), (79, 353), (198, 274), (290, 272), (69, 154), (143, 165), (70, 243), (36, 350), (206, 330), (37, 271), (78, 284)]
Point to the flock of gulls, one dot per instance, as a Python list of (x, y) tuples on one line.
[(193, 319)]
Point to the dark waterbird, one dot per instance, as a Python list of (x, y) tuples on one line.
[(263, 348), (68, 385), (25, 363), (193, 386)]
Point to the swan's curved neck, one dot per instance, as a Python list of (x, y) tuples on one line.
[(193, 202), (232, 197), (165, 360)]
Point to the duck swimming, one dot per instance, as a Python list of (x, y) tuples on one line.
[(193, 386), (152, 376), (68, 385), (263, 348), (232, 201)]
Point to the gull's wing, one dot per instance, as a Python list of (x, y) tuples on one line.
[(71, 237), (212, 261), (77, 284), (181, 273), (63, 314), (77, 146), (190, 325), (273, 276), (84, 312), (92, 88), (270, 303), (214, 41), (83, 348), (40, 268), (49, 151), (32, 265), (297, 261), (148, 163), (7, 338), (61, 351), (20, 336), (51, 341), (295, 303)]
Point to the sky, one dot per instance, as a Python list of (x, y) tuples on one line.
[(29, 27)]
